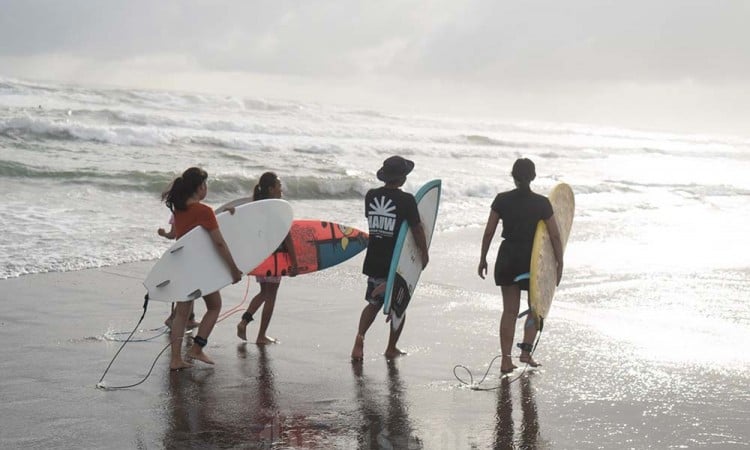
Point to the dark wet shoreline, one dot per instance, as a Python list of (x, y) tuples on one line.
[(306, 393)]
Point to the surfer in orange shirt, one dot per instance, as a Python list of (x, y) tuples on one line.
[(520, 209), (184, 198), (269, 186)]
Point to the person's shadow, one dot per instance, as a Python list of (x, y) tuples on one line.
[(504, 427), (386, 426)]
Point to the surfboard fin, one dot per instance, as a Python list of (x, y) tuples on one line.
[(195, 294), (523, 276), (162, 284)]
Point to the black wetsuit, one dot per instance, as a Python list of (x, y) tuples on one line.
[(520, 212)]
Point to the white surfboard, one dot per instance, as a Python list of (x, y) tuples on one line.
[(406, 265), (192, 267)]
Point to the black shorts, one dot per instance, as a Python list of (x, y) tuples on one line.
[(372, 283), (513, 259)]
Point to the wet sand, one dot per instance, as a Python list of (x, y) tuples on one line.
[(305, 392)]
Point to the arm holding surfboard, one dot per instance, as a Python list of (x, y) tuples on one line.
[(289, 243), (231, 205), (223, 249), (557, 247)]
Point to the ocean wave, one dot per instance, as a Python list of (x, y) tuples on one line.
[(301, 187), (476, 139), (338, 187), (42, 128)]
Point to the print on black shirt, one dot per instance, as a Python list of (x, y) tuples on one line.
[(386, 209), (381, 216)]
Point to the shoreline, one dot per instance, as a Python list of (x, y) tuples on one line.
[(591, 392)]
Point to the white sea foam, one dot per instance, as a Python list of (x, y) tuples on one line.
[(99, 158)]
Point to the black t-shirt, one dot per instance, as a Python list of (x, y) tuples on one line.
[(386, 209), (520, 212)]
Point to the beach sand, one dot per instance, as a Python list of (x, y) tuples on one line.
[(304, 392)]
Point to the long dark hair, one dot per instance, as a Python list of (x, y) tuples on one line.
[(180, 190), (524, 173), (266, 182)]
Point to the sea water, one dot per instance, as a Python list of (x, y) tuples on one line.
[(656, 269), (82, 170)]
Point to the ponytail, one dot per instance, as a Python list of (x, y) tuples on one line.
[(182, 188)]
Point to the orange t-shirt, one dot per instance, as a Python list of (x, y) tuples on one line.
[(196, 214)]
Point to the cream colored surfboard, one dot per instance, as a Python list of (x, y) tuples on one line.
[(543, 274)]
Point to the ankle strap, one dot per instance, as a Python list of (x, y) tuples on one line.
[(526, 347)]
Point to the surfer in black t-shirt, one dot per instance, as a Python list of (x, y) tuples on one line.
[(386, 208), (520, 210)]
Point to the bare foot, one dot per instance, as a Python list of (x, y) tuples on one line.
[(527, 359), (507, 365), (199, 355), (168, 322), (241, 330), (359, 348), (394, 353), (179, 364), (263, 340)]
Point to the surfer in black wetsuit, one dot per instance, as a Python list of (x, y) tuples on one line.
[(520, 210), (386, 208)]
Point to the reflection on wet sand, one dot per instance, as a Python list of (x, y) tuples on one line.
[(207, 411), (504, 428), (262, 422), (190, 424), (386, 426)]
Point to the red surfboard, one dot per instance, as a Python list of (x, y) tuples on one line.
[(318, 245)]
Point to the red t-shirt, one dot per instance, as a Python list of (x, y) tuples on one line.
[(196, 214)]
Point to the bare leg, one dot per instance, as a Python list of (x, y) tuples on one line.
[(168, 321), (177, 334), (511, 303), (213, 307), (191, 323), (365, 320), (259, 299), (391, 351), (529, 334), (270, 290)]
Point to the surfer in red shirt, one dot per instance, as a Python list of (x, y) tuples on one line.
[(520, 210), (184, 198)]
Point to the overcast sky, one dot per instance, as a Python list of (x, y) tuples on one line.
[(679, 65)]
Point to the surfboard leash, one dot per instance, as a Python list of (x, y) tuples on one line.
[(100, 384), (235, 309), (476, 386)]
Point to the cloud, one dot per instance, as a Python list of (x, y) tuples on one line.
[(475, 54)]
